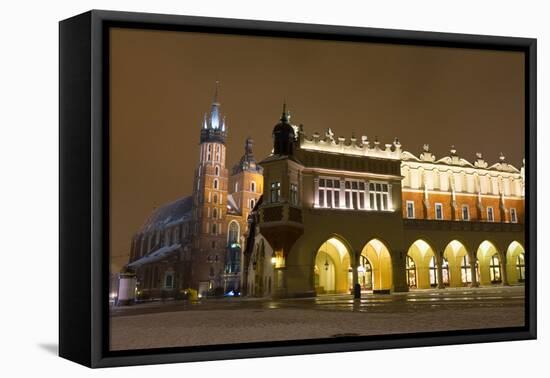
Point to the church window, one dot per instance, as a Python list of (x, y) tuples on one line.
[(233, 234)]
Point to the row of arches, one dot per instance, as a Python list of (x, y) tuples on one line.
[(424, 268)]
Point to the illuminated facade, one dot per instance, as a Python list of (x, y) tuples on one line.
[(195, 242), (338, 212)]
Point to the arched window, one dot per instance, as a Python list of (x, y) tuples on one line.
[(465, 269), (215, 213), (215, 183), (252, 186), (520, 266), (233, 234), (433, 272), (217, 170), (445, 271), (214, 228), (494, 269), (365, 273), (252, 203), (215, 198), (411, 272)]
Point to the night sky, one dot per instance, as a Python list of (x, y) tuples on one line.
[(163, 82)]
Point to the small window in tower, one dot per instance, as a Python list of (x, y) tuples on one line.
[(214, 229), (215, 183), (252, 203), (215, 213), (215, 198), (253, 186), (217, 170)]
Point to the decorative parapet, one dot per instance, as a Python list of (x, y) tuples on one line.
[(351, 146), (426, 156)]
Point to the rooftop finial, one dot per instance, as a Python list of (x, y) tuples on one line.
[(285, 117), (216, 92)]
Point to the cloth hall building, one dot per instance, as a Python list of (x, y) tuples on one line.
[(340, 212)]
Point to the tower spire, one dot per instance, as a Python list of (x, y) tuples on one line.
[(216, 92)]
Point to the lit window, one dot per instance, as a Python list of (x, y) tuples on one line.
[(494, 269), (520, 266), (294, 194), (490, 214), (354, 194), (410, 209), (329, 193), (433, 272), (438, 211), (379, 194), (445, 271), (466, 271), (233, 236), (236, 186), (513, 215), (465, 212), (411, 272), (275, 191)]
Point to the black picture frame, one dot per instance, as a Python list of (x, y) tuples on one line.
[(84, 187)]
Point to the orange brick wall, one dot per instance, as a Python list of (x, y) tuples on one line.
[(471, 201)]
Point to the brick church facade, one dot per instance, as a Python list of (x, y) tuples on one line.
[(196, 241)]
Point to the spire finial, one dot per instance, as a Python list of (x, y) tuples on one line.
[(285, 116), (216, 91)]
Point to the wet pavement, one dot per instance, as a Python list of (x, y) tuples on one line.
[(412, 301)]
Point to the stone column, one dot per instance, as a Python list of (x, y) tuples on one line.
[(503, 272), (440, 284), (473, 270), (399, 274), (355, 278), (316, 191)]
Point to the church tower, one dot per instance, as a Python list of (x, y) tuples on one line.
[(210, 202)]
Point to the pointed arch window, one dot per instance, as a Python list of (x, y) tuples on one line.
[(217, 170), (216, 184), (494, 269)]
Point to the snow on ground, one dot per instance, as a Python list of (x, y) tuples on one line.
[(207, 327)]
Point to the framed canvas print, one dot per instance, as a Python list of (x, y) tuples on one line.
[(234, 188)]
